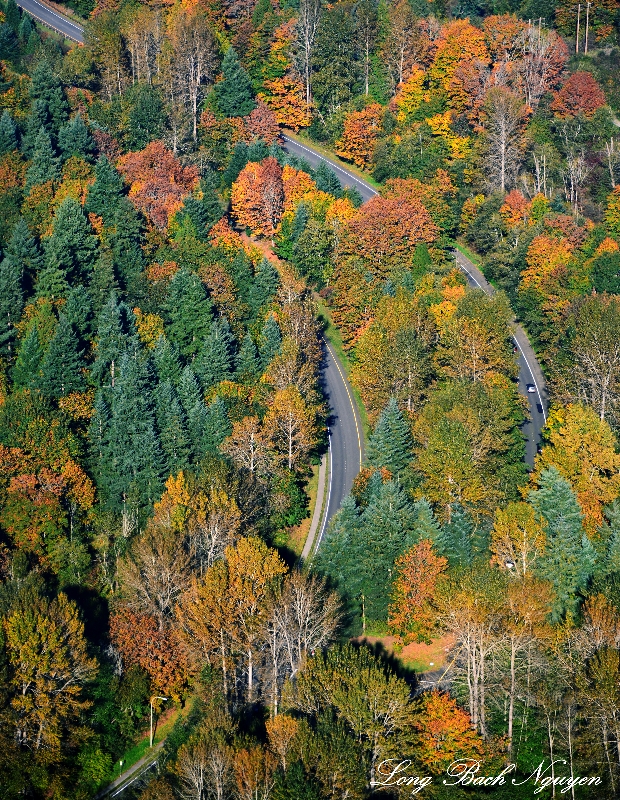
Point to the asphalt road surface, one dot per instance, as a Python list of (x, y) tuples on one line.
[(346, 437), (530, 372), (52, 19)]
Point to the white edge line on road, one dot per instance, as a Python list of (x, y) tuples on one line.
[(332, 164), (329, 494), (357, 430), (139, 775), (49, 24), (59, 16), (473, 277)]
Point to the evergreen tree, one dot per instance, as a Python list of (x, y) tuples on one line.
[(215, 359), (12, 15), (189, 391), (270, 341), (167, 361), (46, 87), (8, 43), (457, 539), (145, 115), (196, 412), (258, 151), (11, 304), (295, 784), (25, 29), (218, 425), (127, 250), (8, 133), (237, 162), (62, 369), (78, 311), (300, 220), (188, 311), (116, 333), (233, 94), (99, 445), (390, 444), (203, 213), (266, 283), (342, 531), (326, 180), (24, 252), (52, 283), (172, 425), (568, 559), (44, 166), (104, 194), (134, 465), (103, 281), (38, 118), (248, 363), (74, 139), (72, 247), (26, 372), (426, 526), (240, 271)]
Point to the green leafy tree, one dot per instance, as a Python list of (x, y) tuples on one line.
[(45, 166), (391, 443), (188, 311), (233, 94), (568, 560), (62, 368)]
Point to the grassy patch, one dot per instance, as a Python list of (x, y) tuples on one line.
[(473, 257), (297, 536), (332, 333), (327, 153)]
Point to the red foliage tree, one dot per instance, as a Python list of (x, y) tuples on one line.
[(158, 181), (262, 124), (580, 93)]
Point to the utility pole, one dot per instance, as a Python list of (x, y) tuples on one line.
[(587, 25), (578, 18)]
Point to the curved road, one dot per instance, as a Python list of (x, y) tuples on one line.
[(43, 13), (530, 372)]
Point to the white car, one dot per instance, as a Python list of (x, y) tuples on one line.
[(531, 388)]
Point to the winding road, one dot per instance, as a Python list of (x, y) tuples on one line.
[(45, 14), (530, 373)]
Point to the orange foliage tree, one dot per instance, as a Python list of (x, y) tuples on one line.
[(283, 89), (417, 571), (460, 44), (361, 129), (159, 182), (580, 94), (262, 123), (258, 197), (443, 733)]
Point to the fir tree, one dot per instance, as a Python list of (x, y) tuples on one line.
[(203, 213), (215, 359), (46, 87), (456, 541), (189, 390), (145, 116), (115, 333), (233, 94), (167, 361), (237, 162), (218, 425), (104, 194), (62, 369), (12, 15), (426, 526), (8, 43), (390, 444), (74, 139), (26, 372), (188, 311), (568, 559), (300, 220), (266, 282), (38, 118), (103, 281), (196, 412), (326, 180), (295, 784), (78, 311), (8, 133), (11, 304), (240, 271), (258, 151), (270, 341), (52, 283), (126, 246), (248, 364), (72, 247), (172, 425), (99, 445), (134, 462), (24, 251), (25, 29), (342, 530), (45, 166)]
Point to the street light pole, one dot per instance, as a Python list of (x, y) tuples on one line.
[(155, 697)]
